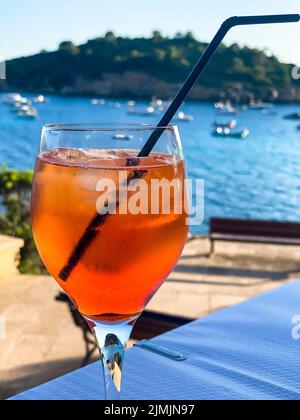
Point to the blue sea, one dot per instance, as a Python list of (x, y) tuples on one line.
[(256, 178)]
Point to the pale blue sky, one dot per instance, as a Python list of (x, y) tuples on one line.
[(27, 26)]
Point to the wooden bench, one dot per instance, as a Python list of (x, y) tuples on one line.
[(233, 230)]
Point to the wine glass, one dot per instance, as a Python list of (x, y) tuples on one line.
[(104, 227)]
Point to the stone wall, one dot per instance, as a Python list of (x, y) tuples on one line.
[(9, 256)]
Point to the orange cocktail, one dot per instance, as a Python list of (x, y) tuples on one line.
[(131, 255)]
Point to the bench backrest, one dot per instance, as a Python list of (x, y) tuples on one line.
[(255, 228)]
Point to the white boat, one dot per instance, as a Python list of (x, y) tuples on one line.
[(226, 108), (259, 106), (147, 112), (122, 137), (21, 103), (11, 98), (98, 102), (182, 117), (40, 99), (160, 105), (229, 110), (219, 105), (157, 102), (228, 133), (27, 112), (226, 124)]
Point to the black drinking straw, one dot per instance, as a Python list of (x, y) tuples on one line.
[(92, 230)]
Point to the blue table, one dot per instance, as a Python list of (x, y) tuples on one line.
[(244, 352)]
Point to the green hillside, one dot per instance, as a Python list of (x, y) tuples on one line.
[(139, 67)]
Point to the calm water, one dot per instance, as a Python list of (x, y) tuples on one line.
[(256, 178)]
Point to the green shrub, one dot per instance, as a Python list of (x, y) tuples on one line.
[(15, 216)]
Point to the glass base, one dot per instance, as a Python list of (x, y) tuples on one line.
[(112, 340)]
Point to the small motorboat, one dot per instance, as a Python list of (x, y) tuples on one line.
[(157, 102), (182, 117), (240, 134), (27, 112), (126, 137), (259, 106), (11, 98), (219, 105), (226, 124), (226, 108), (98, 102), (227, 133), (40, 99), (293, 117), (15, 101), (21, 103), (148, 112), (160, 105)]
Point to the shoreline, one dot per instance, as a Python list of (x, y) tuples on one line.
[(146, 98)]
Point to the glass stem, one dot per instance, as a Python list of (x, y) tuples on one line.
[(112, 340)]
